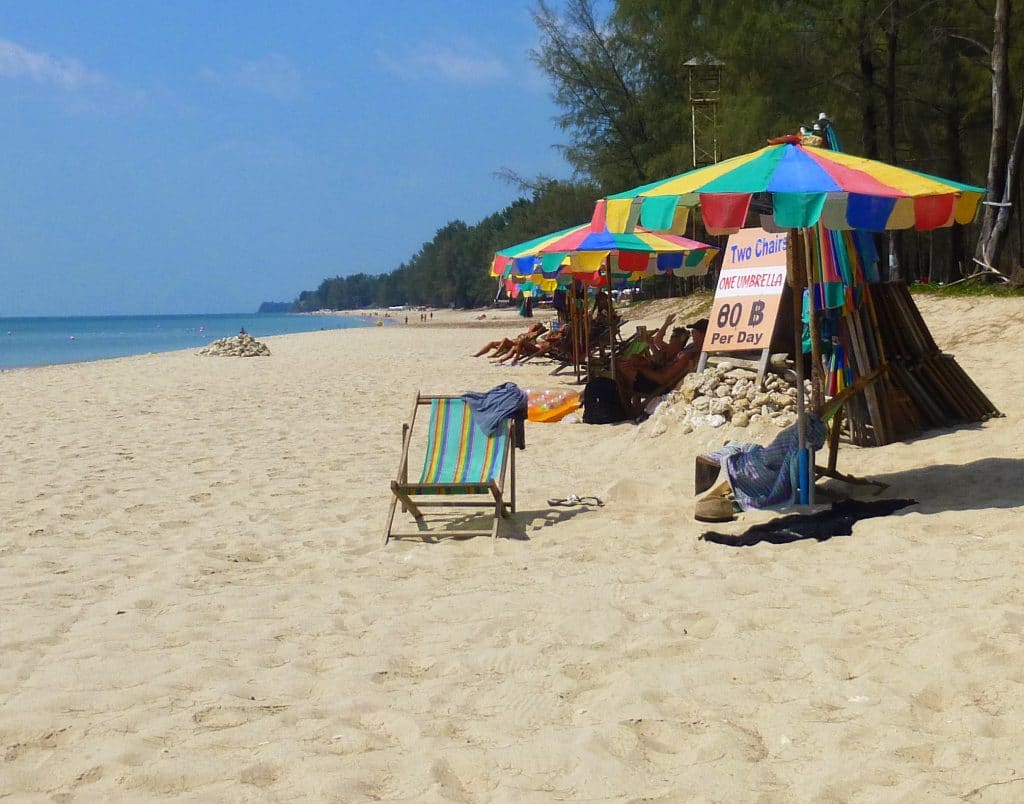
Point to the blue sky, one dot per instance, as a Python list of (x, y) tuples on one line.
[(207, 156)]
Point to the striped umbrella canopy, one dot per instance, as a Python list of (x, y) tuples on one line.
[(807, 185), (585, 249)]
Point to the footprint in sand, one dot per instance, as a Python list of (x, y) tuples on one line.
[(216, 718), (262, 774), (451, 786)]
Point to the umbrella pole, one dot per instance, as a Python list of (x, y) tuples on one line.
[(611, 316), (798, 272), (573, 325), (817, 390), (577, 335), (586, 331), (817, 397)]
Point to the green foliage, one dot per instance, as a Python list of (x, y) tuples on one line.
[(906, 81), (970, 288), (454, 267)]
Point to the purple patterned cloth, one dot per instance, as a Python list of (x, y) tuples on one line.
[(765, 477)]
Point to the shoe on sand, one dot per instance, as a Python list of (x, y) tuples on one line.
[(714, 508)]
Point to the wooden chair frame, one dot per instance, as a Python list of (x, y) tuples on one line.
[(436, 495)]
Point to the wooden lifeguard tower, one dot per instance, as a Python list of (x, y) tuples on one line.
[(704, 80)]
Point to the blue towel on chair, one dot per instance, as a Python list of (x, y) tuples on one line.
[(491, 408)]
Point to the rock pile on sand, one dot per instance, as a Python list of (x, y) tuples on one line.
[(241, 345), (725, 394)]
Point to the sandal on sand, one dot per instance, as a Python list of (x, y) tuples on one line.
[(572, 499), (715, 506)]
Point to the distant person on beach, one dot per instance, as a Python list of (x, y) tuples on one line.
[(560, 301)]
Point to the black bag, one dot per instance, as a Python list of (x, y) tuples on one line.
[(601, 402)]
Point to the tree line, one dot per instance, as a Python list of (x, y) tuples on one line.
[(931, 85), (453, 267)]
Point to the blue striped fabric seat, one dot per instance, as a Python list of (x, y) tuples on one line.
[(458, 452), (463, 467)]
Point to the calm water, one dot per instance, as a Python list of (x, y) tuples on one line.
[(47, 341)]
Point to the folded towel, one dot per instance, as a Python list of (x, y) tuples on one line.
[(491, 408)]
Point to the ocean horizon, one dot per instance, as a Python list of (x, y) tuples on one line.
[(54, 340)]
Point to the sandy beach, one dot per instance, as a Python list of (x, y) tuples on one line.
[(195, 602)]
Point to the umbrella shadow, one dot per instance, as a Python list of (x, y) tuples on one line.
[(978, 485)]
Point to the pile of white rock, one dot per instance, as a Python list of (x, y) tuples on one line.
[(241, 345), (726, 394)]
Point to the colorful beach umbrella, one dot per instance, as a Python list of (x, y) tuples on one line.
[(807, 185), (586, 248), (596, 256)]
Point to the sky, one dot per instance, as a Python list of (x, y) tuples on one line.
[(203, 157)]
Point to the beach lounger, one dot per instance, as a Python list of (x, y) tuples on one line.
[(459, 461)]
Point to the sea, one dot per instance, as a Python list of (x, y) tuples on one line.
[(50, 341)]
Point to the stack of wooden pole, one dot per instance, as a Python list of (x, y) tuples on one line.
[(869, 415), (940, 389), (913, 385)]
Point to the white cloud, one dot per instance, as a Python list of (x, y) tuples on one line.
[(20, 62), (447, 64), (274, 75)]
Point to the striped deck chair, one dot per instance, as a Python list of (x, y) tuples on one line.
[(460, 460)]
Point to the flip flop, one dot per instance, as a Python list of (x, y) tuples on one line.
[(572, 499)]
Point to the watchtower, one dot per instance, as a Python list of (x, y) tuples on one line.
[(704, 78)]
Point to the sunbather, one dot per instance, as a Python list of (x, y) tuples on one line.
[(538, 346), (637, 377), (657, 353), (503, 345)]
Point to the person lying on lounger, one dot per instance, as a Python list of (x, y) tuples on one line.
[(503, 345), (539, 346)]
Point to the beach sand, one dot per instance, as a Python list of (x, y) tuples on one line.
[(195, 602)]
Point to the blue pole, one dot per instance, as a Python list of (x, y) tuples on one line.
[(802, 477)]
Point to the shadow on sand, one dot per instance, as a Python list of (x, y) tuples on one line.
[(981, 484), (438, 528)]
